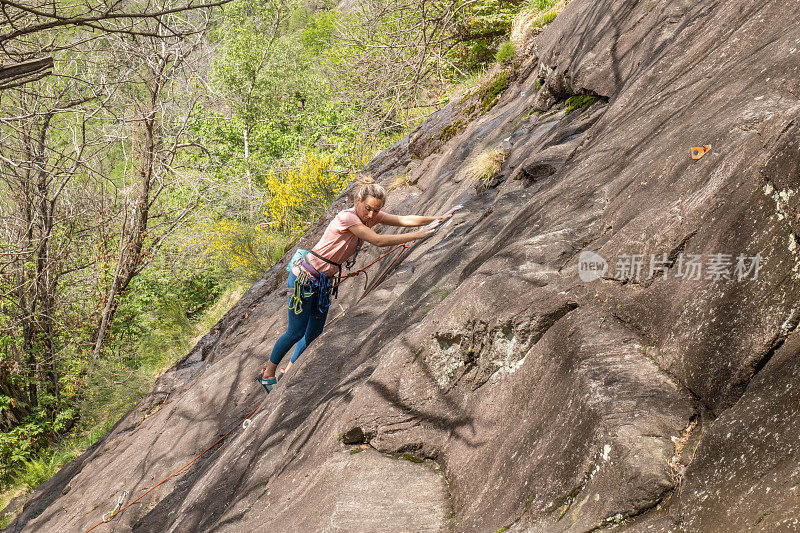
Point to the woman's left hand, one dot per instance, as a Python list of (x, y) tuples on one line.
[(450, 213)]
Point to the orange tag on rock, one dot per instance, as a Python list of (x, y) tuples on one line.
[(699, 151)]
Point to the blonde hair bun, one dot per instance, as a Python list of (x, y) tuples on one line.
[(368, 187)]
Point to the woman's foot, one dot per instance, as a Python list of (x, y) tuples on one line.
[(280, 373)]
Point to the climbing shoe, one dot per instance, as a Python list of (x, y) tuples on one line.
[(267, 383)]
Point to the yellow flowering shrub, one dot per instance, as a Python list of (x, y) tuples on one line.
[(242, 250), (299, 195)]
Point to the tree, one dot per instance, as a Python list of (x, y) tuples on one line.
[(45, 168), (22, 20), (388, 55), (156, 108), (80, 91)]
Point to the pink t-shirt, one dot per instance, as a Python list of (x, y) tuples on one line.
[(337, 243)]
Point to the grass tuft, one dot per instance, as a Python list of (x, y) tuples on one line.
[(535, 14), (400, 182), (484, 166), (505, 52)]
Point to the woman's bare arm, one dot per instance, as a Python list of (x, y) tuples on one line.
[(367, 235), (411, 221), (406, 221)]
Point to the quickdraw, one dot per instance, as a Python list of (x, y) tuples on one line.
[(120, 503), (306, 286)]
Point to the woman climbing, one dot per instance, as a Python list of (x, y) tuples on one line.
[(311, 273)]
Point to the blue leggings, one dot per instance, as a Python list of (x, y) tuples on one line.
[(302, 329)]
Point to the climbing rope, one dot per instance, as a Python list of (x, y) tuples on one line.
[(118, 509), (402, 249), (363, 270), (405, 246)]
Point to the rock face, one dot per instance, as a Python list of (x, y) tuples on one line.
[(601, 337)]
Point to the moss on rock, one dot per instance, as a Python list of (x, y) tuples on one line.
[(581, 101), (451, 130), (491, 91)]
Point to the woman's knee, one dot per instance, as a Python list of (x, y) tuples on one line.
[(291, 337)]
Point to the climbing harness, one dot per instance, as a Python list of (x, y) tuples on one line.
[(350, 263), (119, 508), (311, 282)]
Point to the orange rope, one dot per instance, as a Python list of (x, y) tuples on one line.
[(404, 245), (375, 283), (363, 270), (178, 471)]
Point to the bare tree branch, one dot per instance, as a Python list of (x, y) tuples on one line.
[(25, 72)]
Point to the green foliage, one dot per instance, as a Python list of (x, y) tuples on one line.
[(316, 34), (241, 251), (117, 383), (505, 52), (452, 129), (298, 196), (281, 103), (483, 27), (37, 471), (540, 5), (161, 301), (20, 445)]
